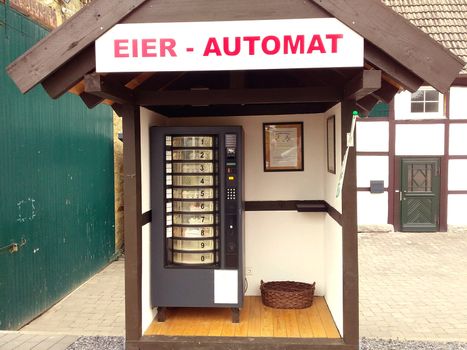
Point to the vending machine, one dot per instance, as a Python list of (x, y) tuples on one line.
[(197, 245)]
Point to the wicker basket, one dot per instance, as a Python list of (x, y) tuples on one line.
[(287, 294)]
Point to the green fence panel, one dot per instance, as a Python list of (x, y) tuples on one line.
[(56, 187)]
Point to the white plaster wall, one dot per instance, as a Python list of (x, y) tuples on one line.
[(457, 174), (260, 185), (331, 180), (420, 140), (372, 208), (402, 108), (148, 119), (333, 233), (457, 204), (458, 139), (372, 168), (372, 137), (284, 245), (148, 313), (457, 98), (334, 271)]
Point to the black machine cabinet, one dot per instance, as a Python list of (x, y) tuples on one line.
[(197, 244)]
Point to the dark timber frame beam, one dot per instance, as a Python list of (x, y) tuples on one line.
[(408, 45), (365, 83), (133, 219), (237, 96), (395, 70), (96, 84), (349, 231), (387, 92), (70, 73)]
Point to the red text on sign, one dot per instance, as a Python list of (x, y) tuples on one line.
[(144, 48)]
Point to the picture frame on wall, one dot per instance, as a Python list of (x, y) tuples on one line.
[(283, 146), (331, 144)]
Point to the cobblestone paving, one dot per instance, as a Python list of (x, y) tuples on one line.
[(413, 286), (95, 308)]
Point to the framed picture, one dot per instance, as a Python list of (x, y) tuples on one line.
[(331, 144), (283, 146)]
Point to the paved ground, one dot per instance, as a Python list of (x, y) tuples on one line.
[(412, 286), (95, 308), (28, 341)]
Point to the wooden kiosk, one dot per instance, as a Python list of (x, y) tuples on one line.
[(279, 72)]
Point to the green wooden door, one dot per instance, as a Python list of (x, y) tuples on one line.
[(420, 194), (56, 187)]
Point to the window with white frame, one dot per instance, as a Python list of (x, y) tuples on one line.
[(426, 101)]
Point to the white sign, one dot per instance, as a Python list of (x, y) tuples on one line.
[(232, 45), (225, 286)]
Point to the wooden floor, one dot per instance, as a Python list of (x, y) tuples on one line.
[(256, 320)]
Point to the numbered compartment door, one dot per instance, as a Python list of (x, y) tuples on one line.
[(191, 200)]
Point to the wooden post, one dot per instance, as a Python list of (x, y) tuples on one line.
[(132, 221), (349, 232)]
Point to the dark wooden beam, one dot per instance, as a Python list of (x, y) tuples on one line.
[(70, 73), (395, 70), (367, 103), (242, 110), (349, 232), (363, 84), (387, 92), (90, 100), (407, 44), (96, 84), (223, 10), (133, 220), (66, 41), (237, 96)]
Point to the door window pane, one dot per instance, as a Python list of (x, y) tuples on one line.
[(420, 178)]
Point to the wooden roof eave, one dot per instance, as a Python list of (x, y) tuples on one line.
[(67, 41), (66, 55), (398, 38)]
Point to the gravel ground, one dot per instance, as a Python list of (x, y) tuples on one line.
[(391, 344), (117, 343), (98, 343)]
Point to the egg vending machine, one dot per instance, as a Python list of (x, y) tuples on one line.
[(197, 240)]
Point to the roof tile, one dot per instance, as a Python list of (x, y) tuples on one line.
[(444, 20)]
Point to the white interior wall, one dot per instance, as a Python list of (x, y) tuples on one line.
[(260, 185), (284, 246), (330, 179), (458, 139), (457, 97), (148, 119), (333, 271), (420, 140), (373, 136)]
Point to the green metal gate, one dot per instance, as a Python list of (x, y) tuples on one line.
[(56, 187)]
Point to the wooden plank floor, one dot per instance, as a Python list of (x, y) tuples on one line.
[(256, 320)]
